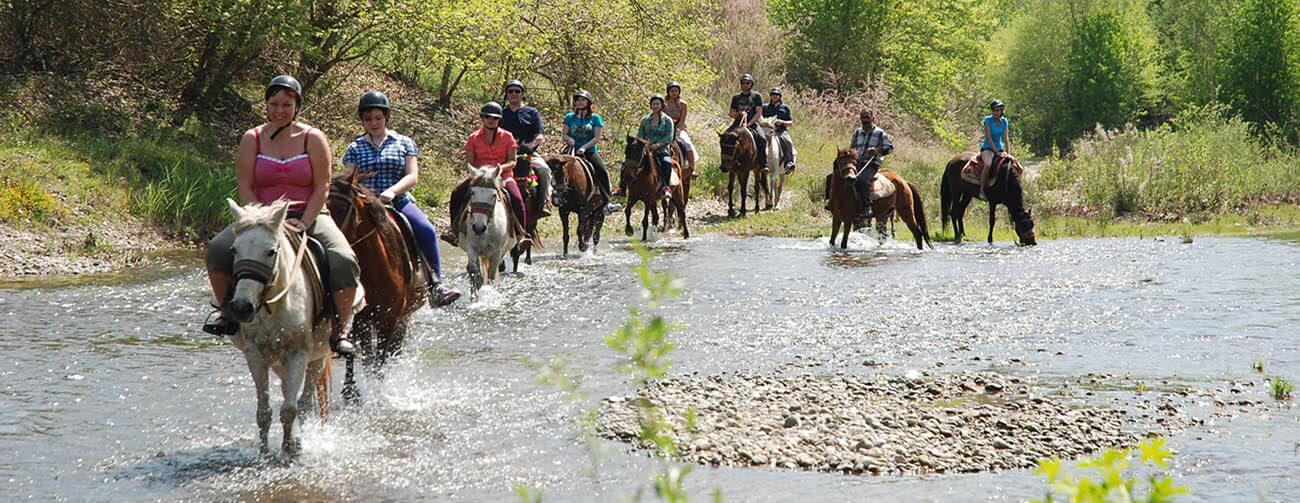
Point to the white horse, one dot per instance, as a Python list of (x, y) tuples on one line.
[(775, 172), (274, 305), (484, 231)]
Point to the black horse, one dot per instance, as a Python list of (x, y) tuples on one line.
[(1006, 189)]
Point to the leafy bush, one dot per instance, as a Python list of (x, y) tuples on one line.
[(1113, 481)]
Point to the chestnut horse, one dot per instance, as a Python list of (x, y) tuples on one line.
[(393, 272), (533, 204), (641, 178), (1005, 187), (740, 160), (575, 192), (891, 193)]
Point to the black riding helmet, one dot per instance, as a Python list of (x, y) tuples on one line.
[(491, 109), (285, 82), (671, 85), (748, 77), (776, 91), (373, 99), (585, 94), (514, 82), (657, 96), (995, 104)]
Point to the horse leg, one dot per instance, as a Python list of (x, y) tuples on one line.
[(681, 215), (597, 221), (351, 395), (295, 370), (475, 275), (392, 345), (307, 400), (564, 224), (645, 221), (731, 189), (835, 229), (627, 215), (959, 217), (992, 219), (261, 382)]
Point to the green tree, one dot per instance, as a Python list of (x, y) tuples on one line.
[(338, 32), (221, 38), (1065, 66), (1193, 33), (918, 48), (1261, 62)]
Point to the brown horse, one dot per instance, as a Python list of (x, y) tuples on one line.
[(393, 272), (575, 192), (740, 160), (891, 194), (1005, 187), (533, 205), (641, 178)]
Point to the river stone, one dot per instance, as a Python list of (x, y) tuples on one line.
[(882, 424)]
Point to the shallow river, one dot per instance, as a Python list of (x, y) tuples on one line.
[(111, 393)]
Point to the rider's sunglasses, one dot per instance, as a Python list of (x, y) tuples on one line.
[(514, 91), (489, 117)]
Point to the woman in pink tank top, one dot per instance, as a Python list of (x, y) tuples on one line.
[(286, 159)]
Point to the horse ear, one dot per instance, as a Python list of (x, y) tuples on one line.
[(235, 209), (281, 212)]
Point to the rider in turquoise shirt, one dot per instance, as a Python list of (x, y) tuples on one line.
[(996, 141)]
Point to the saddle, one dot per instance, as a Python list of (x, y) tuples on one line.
[(971, 171), (317, 274), (416, 259)]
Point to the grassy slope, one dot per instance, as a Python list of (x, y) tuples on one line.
[(68, 167)]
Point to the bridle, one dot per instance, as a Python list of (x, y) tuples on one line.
[(352, 216), (267, 274)]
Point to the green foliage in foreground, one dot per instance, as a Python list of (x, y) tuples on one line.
[(1111, 479)]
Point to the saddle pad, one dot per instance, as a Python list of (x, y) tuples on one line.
[(971, 173), (881, 187), (312, 268), (674, 179)]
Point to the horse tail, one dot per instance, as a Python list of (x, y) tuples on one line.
[(323, 390), (919, 211), (945, 200)]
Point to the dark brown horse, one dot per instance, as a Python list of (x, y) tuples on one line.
[(641, 178), (892, 195), (393, 272), (533, 205), (575, 192), (1005, 188), (740, 160)]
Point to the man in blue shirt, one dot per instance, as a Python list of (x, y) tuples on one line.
[(781, 111), (525, 122)]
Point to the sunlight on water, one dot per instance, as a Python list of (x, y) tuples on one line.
[(112, 392)]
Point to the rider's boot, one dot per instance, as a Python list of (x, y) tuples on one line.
[(339, 341), (864, 195), (224, 324), (440, 295)]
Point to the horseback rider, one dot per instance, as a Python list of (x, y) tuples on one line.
[(394, 159), (677, 110), (582, 133), (525, 123), (286, 159), (997, 139), (657, 132), (872, 145), (490, 145), (776, 108), (749, 104)]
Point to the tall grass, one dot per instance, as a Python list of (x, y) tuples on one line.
[(1200, 162)]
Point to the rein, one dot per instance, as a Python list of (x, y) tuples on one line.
[(297, 260), (347, 217)]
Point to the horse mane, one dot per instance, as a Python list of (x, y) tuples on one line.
[(263, 215), (482, 180)]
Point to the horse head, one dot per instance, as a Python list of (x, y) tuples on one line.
[(736, 146), (845, 165), (485, 189), (259, 256), (1021, 214), (349, 199)]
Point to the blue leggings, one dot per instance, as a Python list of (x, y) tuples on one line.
[(425, 235)]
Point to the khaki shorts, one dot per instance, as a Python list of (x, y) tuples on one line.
[(343, 267)]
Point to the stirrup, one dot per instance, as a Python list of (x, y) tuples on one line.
[(221, 326), (341, 345)]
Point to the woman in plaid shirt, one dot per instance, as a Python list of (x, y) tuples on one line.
[(394, 159)]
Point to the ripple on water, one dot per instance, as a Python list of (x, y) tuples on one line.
[(167, 412)]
